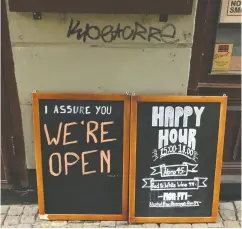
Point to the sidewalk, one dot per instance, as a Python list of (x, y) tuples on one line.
[(26, 216)]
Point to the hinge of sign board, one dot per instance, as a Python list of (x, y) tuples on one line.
[(130, 93), (44, 217)]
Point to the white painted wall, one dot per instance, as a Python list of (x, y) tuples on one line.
[(47, 61)]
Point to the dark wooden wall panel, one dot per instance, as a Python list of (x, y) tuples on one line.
[(232, 136), (201, 82), (12, 131), (104, 6)]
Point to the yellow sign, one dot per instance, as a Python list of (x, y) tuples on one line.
[(222, 57)]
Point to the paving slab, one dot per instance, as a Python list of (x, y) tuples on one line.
[(135, 225), (166, 225), (199, 225), (239, 215), (24, 225), (89, 223), (219, 218), (228, 214), (238, 205), (226, 206), (4, 209), (11, 220), (122, 223), (232, 224), (91, 226), (58, 223), (43, 224), (150, 225), (75, 221), (181, 225), (27, 219), (74, 225), (107, 223), (15, 209), (3, 218), (31, 210), (238, 209), (215, 225)]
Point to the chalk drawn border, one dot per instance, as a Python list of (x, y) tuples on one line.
[(219, 156), (36, 96)]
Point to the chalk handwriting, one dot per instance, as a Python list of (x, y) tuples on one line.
[(171, 136), (91, 127), (155, 154), (180, 149), (83, 110), (176, 184), (169, 196), (103, 110), (172, 204), (67, 160), (174, 170), (94, 132), (110, 33), (176, 117), (172, 117)]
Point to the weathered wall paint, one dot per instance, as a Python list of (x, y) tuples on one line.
[(48, 60)]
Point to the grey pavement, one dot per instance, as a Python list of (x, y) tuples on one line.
[(26, 216)]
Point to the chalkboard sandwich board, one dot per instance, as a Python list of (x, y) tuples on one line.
[(176, 158), (81, 146)]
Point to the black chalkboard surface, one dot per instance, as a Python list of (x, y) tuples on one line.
[(81, 144), (176, 158)]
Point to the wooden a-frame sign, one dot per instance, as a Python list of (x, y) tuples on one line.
[(176, 149), (176, 158), (81, 147)]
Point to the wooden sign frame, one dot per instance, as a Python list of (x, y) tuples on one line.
[(38, 153), (219, 157)]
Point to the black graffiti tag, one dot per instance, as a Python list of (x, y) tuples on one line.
[(109, 33)]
